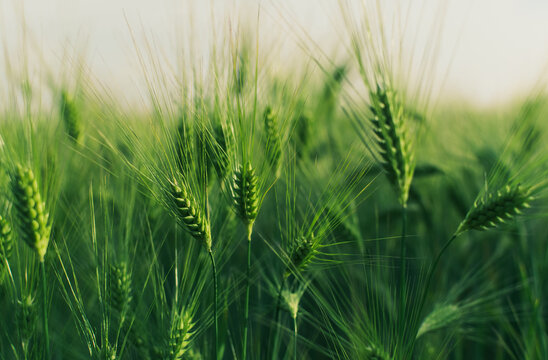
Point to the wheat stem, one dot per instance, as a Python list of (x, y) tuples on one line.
[(247, 288), (277, 318), (214, 268), (401, 300), (430, 275), (295, 337), (45, 309)]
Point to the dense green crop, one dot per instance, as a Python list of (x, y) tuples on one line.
[(261, 212)]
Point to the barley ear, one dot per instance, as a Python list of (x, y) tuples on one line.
[(30, 211), (70, 117), (120, 288), (26, 319), (393, 141), (245, 195), (441, 317), (273, 143), (180, 336), (190, 214), (107, 352), (6, 241), (496, 208), (302, 254)]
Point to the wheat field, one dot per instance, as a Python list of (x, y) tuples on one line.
[(322, 202)]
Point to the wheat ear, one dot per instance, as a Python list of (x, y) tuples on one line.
[(6, 242), (302, 255), (70, 117), (26, 320), (34, 229), (191, 215), (30, 211), (194, 221), (488, 212), (120, 288), (180, 336), (245, 195), (496, 208), (393, 141), (273, 142)]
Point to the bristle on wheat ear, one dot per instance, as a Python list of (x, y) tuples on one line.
[(30, 211), (191, 215), (245, 194), (393, 141), (496, 208)]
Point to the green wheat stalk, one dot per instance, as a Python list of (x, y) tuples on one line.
[(192, 218), (33, 225)]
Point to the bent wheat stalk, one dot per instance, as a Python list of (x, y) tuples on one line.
[(488, 212), (191, 217), (34, 227)]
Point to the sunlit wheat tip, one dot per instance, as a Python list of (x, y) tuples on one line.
[(30, 211), (439, 318), (291, 302)]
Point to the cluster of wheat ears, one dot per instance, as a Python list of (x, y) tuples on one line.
[(137, 226)]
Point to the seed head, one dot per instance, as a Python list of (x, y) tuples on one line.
[(496, 208), (273, 143), (244, 194), (120, 287), (302, 255), (6, 241), (191, 215), (180, 336), (30, 211), (392, 139), (70, 116), (26, 318)]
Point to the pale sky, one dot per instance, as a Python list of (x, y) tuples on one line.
[(497, 48)]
